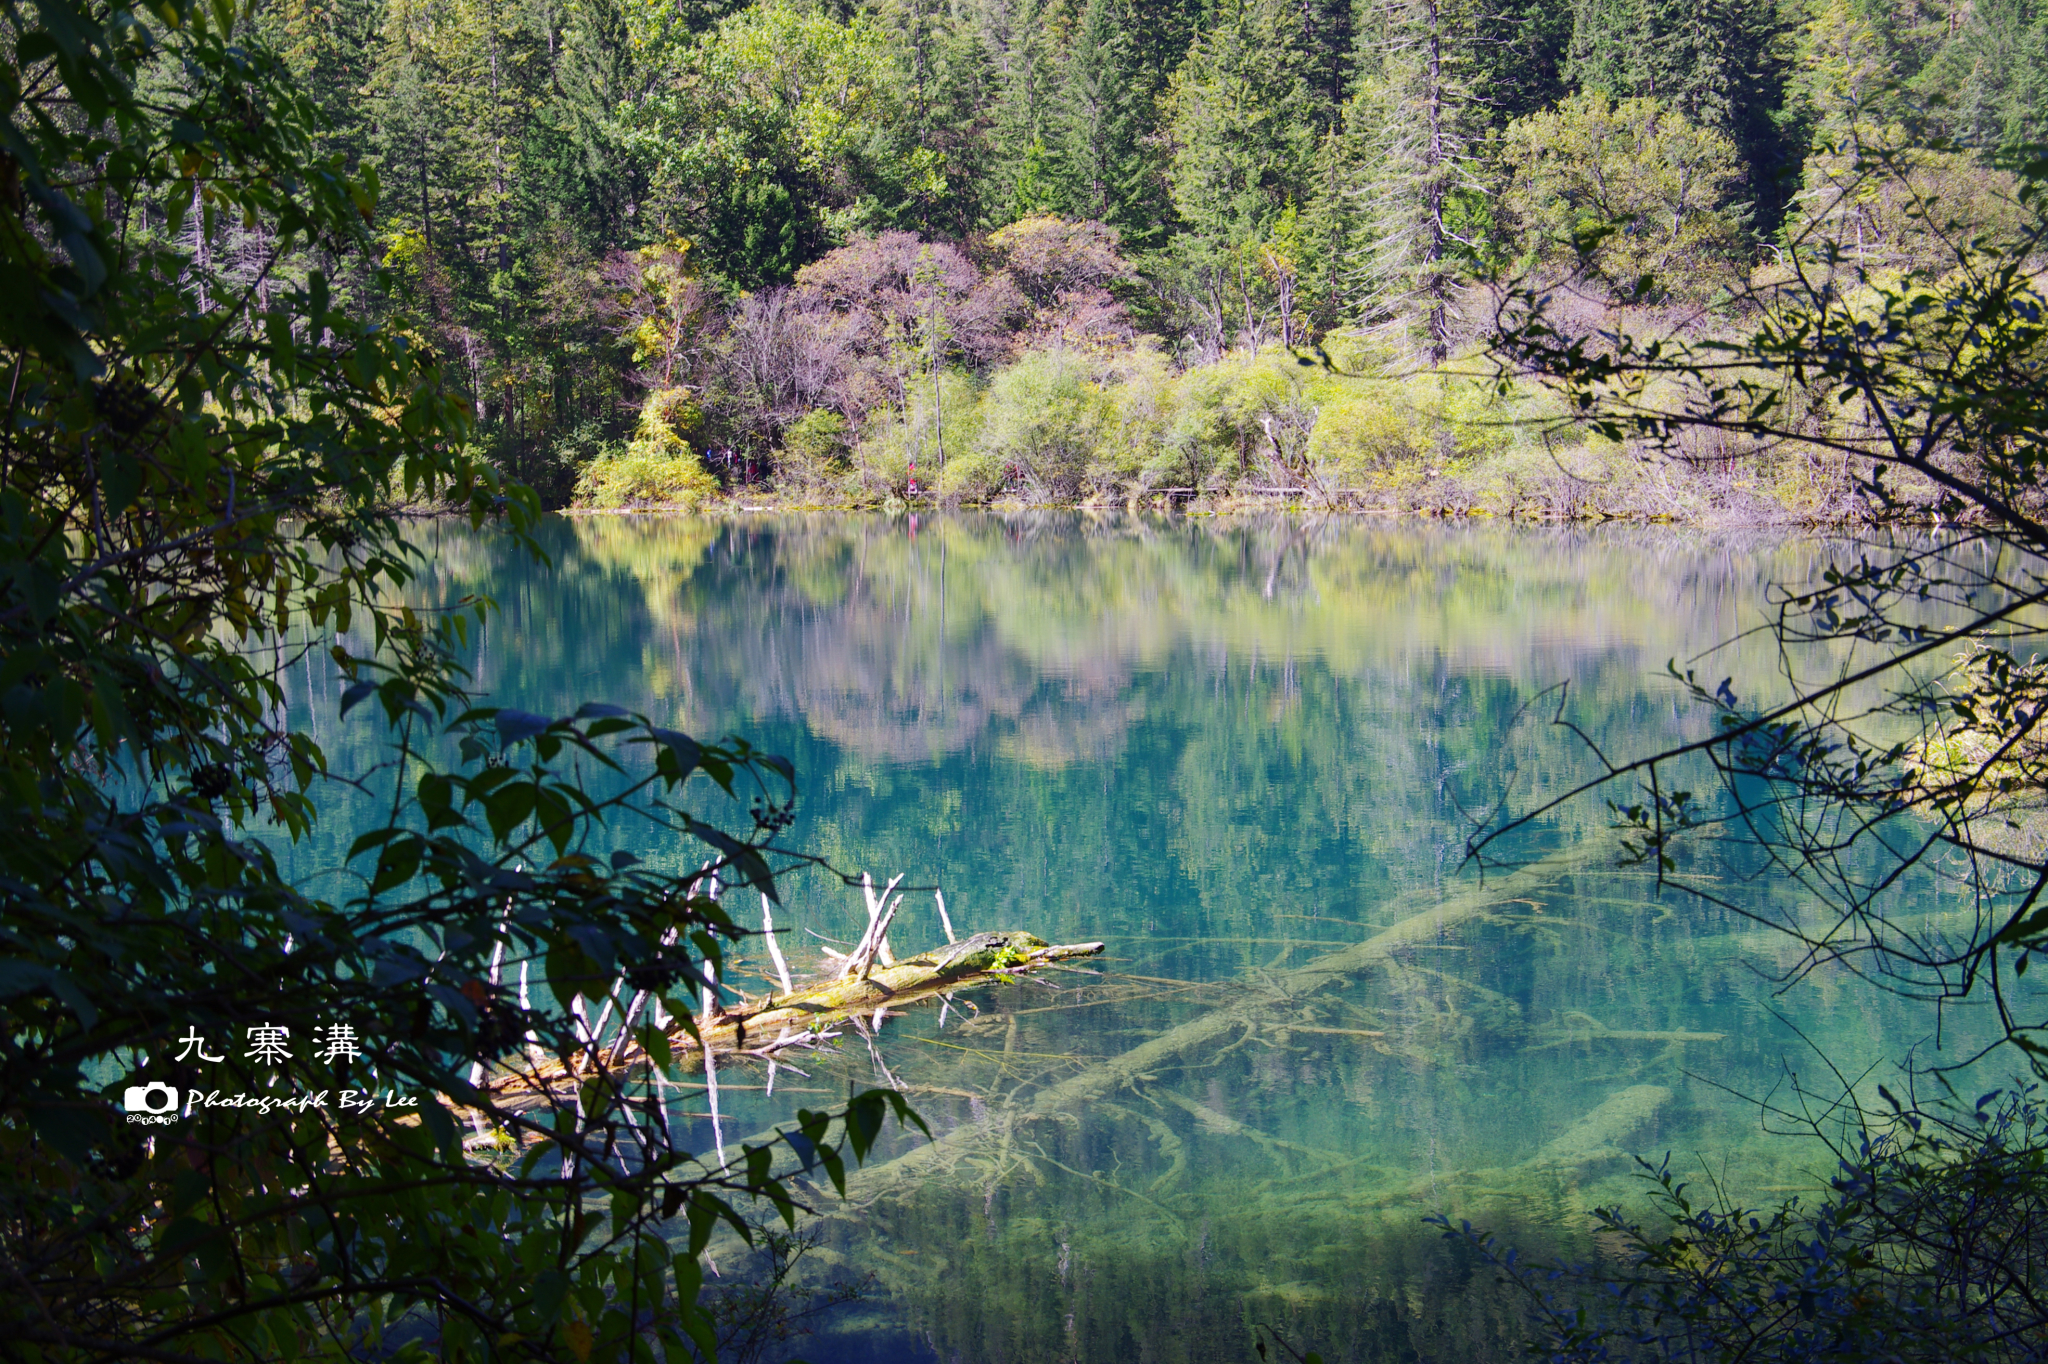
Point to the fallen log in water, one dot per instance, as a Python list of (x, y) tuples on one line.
[(1587, 1149), (1665, 1035), (755, 1024), (764, 1027), (1209, 1032)]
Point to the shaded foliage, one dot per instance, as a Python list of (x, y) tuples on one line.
[(1924, 1247), (207, 450)]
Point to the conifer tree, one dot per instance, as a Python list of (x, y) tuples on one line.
[(948, 76), (1328, 37), (1415, 129), (331, 47), (495, 65), (1993, 74), (1243, 131), (1331, 231), (1519, 57), (1846, 72), (1104, 169), (409, 125), (1021, 179), (592, 181)]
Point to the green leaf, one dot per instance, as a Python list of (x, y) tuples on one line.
[(440, 1125), (18, 977), (550, 1290), (514, 725), (71, 1127), (508, 807), (680, 754)]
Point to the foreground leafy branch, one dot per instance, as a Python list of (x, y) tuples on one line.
[(1924, 1247), (225, 1126), (1897, 751)]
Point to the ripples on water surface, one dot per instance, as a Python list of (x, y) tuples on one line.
[(1227, 750)]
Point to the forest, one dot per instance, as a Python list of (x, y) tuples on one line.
[(1055, 251)]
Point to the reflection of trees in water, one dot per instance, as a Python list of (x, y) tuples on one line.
[(1025, 635), (858, 679), (853, 679), (1030, 707)]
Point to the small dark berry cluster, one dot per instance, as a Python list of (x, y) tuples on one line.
[(499, 1028), (118, 1161), (124, 404), (211, 782), (771, 817)]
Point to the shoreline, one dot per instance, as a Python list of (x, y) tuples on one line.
[(1202, 509)]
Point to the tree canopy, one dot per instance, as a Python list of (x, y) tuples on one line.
[(1282, 173)]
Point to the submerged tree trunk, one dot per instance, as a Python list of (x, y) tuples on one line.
[(1214, 1029)]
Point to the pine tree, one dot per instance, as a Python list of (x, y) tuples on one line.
[(1243, 131), (1519, 55), (1328, 37), (495, 65), (1846, 72), (589, 176), (1099, 119), (1331, 229), (408, 134), (1415, 129), (1993, 74), (948, 75), (331, 46), (1022, 42)]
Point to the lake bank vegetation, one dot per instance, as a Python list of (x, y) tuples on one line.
[(1029, 254)]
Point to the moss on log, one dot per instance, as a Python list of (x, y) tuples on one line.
[(762, 1026)]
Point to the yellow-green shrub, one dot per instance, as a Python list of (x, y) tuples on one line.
[(1224, 409), (813, 458), (1046, 416), (658, 467), (891, 439), (973, 477), (1367, 438), (1132, 449)]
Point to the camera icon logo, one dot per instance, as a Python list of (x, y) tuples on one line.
[(154, 1097)]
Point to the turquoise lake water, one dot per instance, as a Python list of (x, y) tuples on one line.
[(1227, 751)]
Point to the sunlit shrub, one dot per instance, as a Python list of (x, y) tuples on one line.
[(1132, 453), (1244, 416), (814, 455), (1367, 438), (1631, 188), (882, 455), (935, 427), (974, 477), (658, 467), (1374, 430), (1875, 198), (1532, 481), (1046, 417)]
